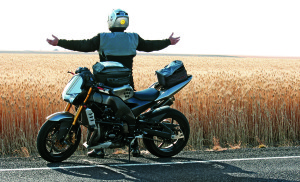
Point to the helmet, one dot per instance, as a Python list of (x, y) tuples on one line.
[(118, 20)]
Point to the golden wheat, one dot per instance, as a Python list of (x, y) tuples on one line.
[(244, 101)]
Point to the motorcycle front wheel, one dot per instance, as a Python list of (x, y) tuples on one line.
[(163, 147), (53, 150)]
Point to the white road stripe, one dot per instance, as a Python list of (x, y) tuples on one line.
[(48, 168), (208, 161), (149, 164)]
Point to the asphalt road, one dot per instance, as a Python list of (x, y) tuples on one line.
[(269, 164)]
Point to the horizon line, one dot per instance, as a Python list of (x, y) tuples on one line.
[(142, 54)]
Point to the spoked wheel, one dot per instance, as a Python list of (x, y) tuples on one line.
[(52, 149), (163, 147)]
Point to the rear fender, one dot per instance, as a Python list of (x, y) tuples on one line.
[(167, 93), (156, 115), (66, 119)]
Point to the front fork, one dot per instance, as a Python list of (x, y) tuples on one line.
[(68, 107), (65, 135)]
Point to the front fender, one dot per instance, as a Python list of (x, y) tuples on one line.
[(59, 116), (66, 120)]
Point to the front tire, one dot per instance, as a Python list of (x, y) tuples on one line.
[(162, 147), (53, 150)]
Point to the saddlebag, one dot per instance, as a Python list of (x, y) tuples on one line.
[(112, 74), (171, 74)]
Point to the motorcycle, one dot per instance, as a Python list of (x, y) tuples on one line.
[(114, 117)]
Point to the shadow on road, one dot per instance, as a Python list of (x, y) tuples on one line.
[(159, 169), (96, 172)]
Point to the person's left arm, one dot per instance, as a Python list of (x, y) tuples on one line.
[(155, 45)]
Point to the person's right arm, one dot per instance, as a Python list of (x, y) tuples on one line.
[(87, 45)]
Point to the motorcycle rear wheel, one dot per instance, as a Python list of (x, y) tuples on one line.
[(53, 150), (162, 147)]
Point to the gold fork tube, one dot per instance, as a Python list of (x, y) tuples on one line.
[(67, 108), (80, 107)]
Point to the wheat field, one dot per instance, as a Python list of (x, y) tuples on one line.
[(231, 102)]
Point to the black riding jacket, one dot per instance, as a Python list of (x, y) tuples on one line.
[(90, 45)]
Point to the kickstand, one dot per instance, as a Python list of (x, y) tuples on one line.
[(131, 143), (129, 153)]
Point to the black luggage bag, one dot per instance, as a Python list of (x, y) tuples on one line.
[(112, 74), (172, 74)]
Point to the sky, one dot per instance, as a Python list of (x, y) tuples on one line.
[(217, 27)]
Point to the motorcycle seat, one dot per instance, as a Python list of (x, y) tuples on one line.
[(148, 94)]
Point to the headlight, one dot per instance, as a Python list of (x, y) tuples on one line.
[(72, 89)]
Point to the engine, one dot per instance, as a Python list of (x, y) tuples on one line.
[(107, 128)]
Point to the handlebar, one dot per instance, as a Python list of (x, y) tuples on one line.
[(71, 72)]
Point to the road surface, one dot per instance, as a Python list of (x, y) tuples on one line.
[(268, 164)]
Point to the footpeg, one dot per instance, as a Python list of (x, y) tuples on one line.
[(103, 145)]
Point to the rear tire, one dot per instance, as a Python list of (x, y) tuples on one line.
[(53, 150), (162, 147)]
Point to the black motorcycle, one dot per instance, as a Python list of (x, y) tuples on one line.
[(115, 117)]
